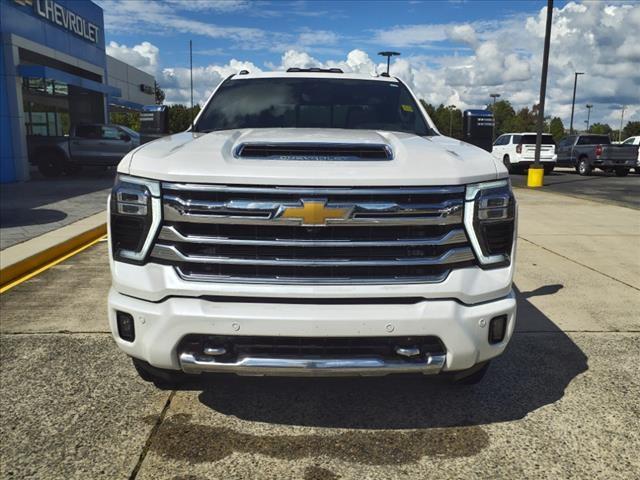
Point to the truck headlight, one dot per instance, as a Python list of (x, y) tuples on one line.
[(134, 217), (490, 221)]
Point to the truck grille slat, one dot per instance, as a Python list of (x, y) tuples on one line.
[(352, 235)]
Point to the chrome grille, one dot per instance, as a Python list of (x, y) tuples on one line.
[(356, 235)]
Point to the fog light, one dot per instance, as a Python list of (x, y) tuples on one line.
[(497, 329), (126, 329)]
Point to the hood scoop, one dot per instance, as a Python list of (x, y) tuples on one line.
[(314, 152)]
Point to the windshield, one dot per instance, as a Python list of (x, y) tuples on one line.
[(313, 103), (594, 139), (131, 132)]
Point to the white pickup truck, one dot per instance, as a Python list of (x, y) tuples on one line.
[(312, 222)]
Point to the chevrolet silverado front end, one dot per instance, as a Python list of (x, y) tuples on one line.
[(311, 223)]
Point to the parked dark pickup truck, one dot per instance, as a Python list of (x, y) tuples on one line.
[(86, 145), (586, 152)]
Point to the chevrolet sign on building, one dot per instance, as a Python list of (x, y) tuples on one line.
[(56, 13), (55, 73)]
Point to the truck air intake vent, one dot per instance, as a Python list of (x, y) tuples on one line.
[(314, 151)]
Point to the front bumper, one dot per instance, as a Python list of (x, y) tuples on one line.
[(463, 330)]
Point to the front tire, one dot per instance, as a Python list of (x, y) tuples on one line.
[(507, 163), (50, 164), (583, 167), (160, 377), (472, 376), (622, 172)]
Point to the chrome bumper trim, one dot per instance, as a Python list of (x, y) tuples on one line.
[(172, 234), (309, 366), (173, 254)]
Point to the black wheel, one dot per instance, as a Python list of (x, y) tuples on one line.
[(472, 376), (158, 376), (583, 167), (50, 164), (72, 168), (622, 172), (548, 169), (507, 163)]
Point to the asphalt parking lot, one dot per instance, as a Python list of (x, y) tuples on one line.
[(561, 403), (624, 191)]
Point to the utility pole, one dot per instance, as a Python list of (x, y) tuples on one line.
[(191, 75), (589, 107), (494, 96), (621, 121), (451, 109), (573, 102), (388, 55), (535, 176)]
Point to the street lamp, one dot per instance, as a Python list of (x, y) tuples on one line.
[(451, 109), (494, 96), (589, 107), (535, 176), (388, 55), (621, 120), (573, 102)]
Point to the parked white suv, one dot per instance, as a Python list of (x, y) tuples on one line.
[(634, 141), (313, 223), (517, 151)]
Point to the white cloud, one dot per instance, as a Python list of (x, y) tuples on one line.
[(143, 56), (499, 56), (411, 35)]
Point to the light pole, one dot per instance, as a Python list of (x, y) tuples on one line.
[(535, 176), (621, 120), (451, 109), (494, 96), (589, 107), (573, 102), (388, 55)]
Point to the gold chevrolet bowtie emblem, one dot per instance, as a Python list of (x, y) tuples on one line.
[(314, 212)]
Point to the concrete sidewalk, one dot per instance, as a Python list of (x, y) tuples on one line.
[(31, 209)]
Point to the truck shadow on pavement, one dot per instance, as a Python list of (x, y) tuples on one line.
[(539, 364)]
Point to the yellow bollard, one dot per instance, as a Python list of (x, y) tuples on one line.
[(535, 178)]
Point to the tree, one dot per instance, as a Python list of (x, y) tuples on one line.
[(631, 129), (127, 119), (180, 117), (557, 129), (159, 93), (600, 129), (503, 113), (445, 117)]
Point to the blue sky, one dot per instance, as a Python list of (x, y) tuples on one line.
[(356, 24), (453, 52)]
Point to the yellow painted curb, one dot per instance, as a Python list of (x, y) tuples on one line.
[(49, 255)]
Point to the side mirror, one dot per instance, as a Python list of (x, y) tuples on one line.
[(125, 137)]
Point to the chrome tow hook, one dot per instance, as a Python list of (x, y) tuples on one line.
[(214, 351), (408, 351)]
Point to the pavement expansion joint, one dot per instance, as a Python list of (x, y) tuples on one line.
[(578, 263), (152, 434)]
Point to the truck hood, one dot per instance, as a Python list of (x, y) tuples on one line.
[(209, 158)]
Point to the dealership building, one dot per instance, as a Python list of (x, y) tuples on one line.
[(54, 72)]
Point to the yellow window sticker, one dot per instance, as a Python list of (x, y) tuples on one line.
[(407, 108)]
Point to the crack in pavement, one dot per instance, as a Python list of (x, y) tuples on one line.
[(58, 332), (152, 434)]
